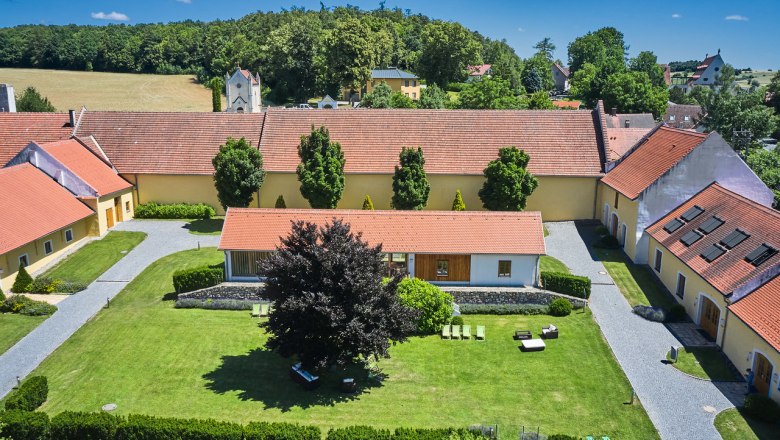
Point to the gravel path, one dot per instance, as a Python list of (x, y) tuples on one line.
[(680, 406), (163, 238)]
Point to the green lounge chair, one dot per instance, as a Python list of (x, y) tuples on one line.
[(455, 332), (265, 309), (445, 332), (466, 332), (481, 332), (255, 310)]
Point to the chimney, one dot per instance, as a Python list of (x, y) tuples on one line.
[(627, 123), (72, 117), (613, 111)]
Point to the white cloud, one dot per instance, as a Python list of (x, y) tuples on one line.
[(676, 16), (520, 29), (188, 2), (736, 17), (116, 16)]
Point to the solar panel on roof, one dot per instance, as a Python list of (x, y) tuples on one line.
[(712, 253), (691, 238), (734, 239), (760, 254), (673, 225), (710, 225), (692, 213)]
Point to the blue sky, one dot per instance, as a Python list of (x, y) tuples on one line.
[(745, 31)]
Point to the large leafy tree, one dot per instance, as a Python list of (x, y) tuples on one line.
[(537, 74), (447, 50), (647, 62), (726, 112), (433, 97), (766, 164), (350, 53), (321, 171), (604, 48), (774, 90), (330, 306), (633, 92), (410, 184), (507, 181), (540, 101), (32, 101), (292, 51), (378, 97), (238, 173), (505, 63), (435, 306), (489, 93)]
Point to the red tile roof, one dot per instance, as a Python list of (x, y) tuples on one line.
[(651, 159), (729, 271), (167, 143), (434, 232), (33, 206), (559, 142), (248, 75), (567, 104), (87, 166), (622, 139), (760, 310), (479, 70), (17, 130)]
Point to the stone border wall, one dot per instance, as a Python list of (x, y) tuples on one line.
[(505, 295), (235, 291)]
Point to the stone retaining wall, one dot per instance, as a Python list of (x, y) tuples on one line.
[(506, 295), (237, 291)]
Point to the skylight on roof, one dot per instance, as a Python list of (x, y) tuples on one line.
[(710, 225), (692, 213), (760, 255), (712, 253), (691, 238), (673, 225), (734, 239)]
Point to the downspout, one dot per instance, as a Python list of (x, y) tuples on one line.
[(725, 324), (137, 191)]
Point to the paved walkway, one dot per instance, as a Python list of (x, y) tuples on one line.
[(164, 238), (681, 407)]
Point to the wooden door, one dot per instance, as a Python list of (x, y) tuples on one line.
[(710, 317), (614, 225), (110, 217), (763, 375), (118, 209), (443, 267)]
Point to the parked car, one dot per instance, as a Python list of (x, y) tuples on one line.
[(303, 106)]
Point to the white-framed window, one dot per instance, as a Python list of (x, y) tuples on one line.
[(680, 290), (658, 260), (48, 247), (24, 260), (127, 206), (68, 235), (442, 268), (505, 268), (687, 118), (671, 118)]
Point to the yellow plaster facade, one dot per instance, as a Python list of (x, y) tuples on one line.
[(36, 254), (618, 213), (409, 87), (118, 206), (173, 188), (741, 344)]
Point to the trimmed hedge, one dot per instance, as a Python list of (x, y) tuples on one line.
[(503, 309), (142, 427), (280, 431), (762, 408), (25, 306), (434, 434), (359, 433), (214, 304), (30, 395), (24, 425), (199, 278), (567, 284), (174, 211), (71, 425)]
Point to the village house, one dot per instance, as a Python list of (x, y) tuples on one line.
[(682, 116), (446, 248), (399, 81), (624, 130), (560, 76), (706, 74), (479, 71)]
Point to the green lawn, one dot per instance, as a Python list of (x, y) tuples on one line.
[(14, 327), (733, 425), (148, 357), (552, 264), (211, 226), (88, 263), (635, 282), (705, 363)]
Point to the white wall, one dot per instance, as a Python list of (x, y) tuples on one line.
[(484, 270)]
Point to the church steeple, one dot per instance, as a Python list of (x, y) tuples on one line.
[(243, 91)]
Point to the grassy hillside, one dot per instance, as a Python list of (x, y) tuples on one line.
[(763, 77), (112, 91)]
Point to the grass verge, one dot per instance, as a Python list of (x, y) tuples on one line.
[(634, 281), (88, 263), (552, 264), (705, 363), (14, 327), (733, 425)]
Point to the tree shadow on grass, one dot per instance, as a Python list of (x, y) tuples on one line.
[(210, 226), (262, 375)]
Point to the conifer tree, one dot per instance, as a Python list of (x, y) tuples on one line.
[(321, 171), (23, 281), (216, 95), (410, 184), (368, 205), (280, 202), (457, 204), (238, 173), (507, 181)]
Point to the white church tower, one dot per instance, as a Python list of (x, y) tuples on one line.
[(243, 92)]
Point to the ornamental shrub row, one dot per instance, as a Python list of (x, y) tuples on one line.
[(25, 306), (371, 433), (25, 425), (567, 284), (174, 210), (30, 395), (503, 309), (49, 285), (198, 278), (214, 304)]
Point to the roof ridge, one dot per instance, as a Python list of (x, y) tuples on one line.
[(749, 201), (394, 211)]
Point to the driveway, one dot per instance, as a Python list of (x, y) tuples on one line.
[(681, 407), (163, 238)]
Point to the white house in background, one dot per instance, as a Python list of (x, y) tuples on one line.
[(7, 98), (705, 75), (327, 102), (474, 248), (479, 71), (243, 92), (560, 77)]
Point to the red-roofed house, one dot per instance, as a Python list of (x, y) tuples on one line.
[(478, 71), (457, 248), (87, 176), (662, 170), (40, 221), (19, 129)]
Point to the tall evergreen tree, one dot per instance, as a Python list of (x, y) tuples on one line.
[(238, 173), (321, 171), (216, 95), (457, 203), (368, 205), (507, 181), (280, 203), (23, 281), (410, 184)]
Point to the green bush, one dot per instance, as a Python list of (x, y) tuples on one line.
[(456, 87), (174, 211), (214, 304), (435, 305), (30, 395), (71, 425), (676, 313), (2, 296), (25, 306), (199, 278), (24, 425), (141, 427), (49, 285), (503, 309), (433, 434), (359, 433), (762, 408), (23, 281), (457, 320), (280, 431), (560, 307), (567, 284)]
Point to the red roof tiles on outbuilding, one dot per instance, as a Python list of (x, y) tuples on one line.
[(87, 166), (760, 310), (17, 130)]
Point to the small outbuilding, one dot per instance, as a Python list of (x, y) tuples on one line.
[(327, 102)]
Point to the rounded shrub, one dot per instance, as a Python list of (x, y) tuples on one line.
[(655, 314), (560, 307), (457, 320), (762, 408), (435, 306), (197, 278), (23, 281)]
